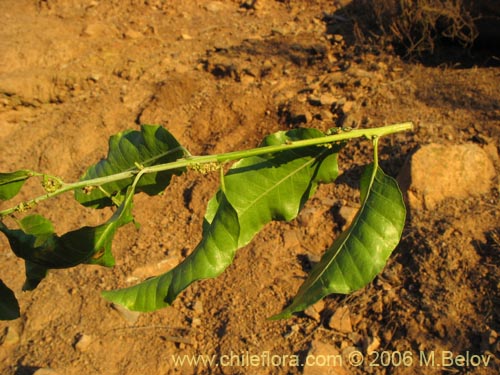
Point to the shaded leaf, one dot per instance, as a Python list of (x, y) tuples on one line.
[(11, 183), (34, 275), (36, 242), (9, 307), (257, 190), (150, 146), (360, 252)]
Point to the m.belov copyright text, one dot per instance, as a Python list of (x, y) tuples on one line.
[(448, 358)]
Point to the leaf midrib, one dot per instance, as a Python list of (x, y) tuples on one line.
[(350, 230), (281, 181)]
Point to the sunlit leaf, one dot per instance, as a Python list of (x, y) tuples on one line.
[(128, 151), (11, 183), (257, 190), (361, 252)]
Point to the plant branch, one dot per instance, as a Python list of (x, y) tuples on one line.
[(197, 161)]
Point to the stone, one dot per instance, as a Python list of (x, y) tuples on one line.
[(338, 38), (341, 320), (324, 359), (132, 34), (46, 371), (215, 6), (348, 106), (314, 100), (83, 342), (327, 99), (10, 337), (154, 269), (196, 322), (95, 29), (198, 307), (372, 344), (314, 311), (310, 218), (347, 214), (437, 172), (290, 239), (130, 316), (326, 115)]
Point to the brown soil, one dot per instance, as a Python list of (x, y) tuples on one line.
[(220, 76)]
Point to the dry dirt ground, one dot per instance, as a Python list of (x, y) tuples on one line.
[(220, 75)]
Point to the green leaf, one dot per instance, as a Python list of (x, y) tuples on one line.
[(361, 252), (128, 151), (11, 183), (34, 275), (36, 242), (212, 255), (257, 190), (9, 307)]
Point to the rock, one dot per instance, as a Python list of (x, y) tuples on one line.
[(247, 79), (326, 115), (327, 99), (347, 214), (314, 100), (154, 269), (251, 4), (196, 322), (313, 258), (341, 320), (198, 307), (378, 306), (128, 315), (488, 340), (337, 38), (314, 311), (132, 34), (437, 172), (348, 106), (97, 29), (310, 218), (46, 371), (181, 68), (323, 359), (372, 344), (290, 239), (83, 342), (9, 338), (215, 6)]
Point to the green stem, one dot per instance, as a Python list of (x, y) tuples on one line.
[(218, 159)]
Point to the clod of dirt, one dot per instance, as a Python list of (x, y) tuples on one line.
[(198, 307), (314, 311), (83, 342), (130, 316), (346, 215), (458, 171), (321, 350), (9, 338), (341, 320), (372, 344), (154, 269), (46, 371)]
